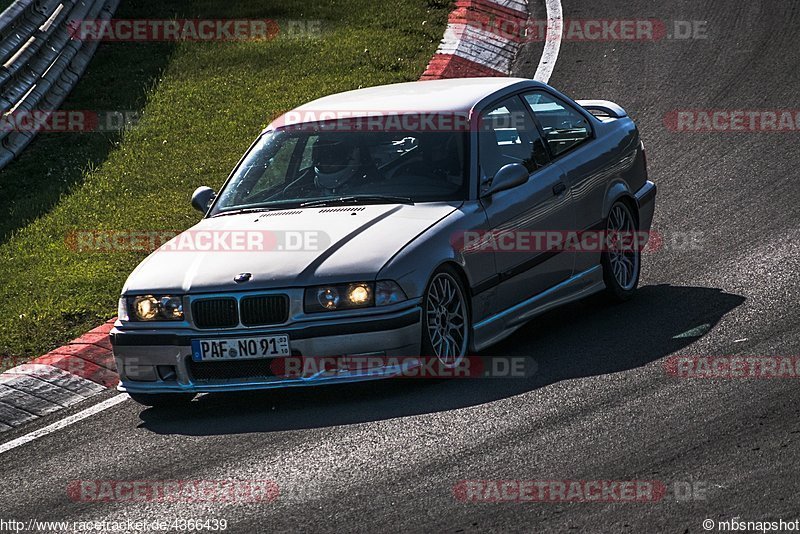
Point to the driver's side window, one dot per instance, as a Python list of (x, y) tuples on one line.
[(508, 135)]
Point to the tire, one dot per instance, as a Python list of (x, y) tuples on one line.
[(162, 400), (622, 263), (445, 318)]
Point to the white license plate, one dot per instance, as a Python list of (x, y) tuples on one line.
[(245, 348)]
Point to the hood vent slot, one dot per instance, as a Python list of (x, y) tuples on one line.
[(340, 210), (279, 213)]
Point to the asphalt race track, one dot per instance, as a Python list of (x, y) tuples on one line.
[(386, 456)]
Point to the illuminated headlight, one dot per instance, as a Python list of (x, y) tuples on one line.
[(145, 308), (359, 294), (339, 297), (152, 308), (352, 296)]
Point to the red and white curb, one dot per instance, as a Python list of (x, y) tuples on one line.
[(470, 48), (65, 376), (85, 367)]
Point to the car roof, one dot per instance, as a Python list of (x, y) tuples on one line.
[(454, 95)]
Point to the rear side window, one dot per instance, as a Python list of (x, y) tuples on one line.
[(508, 135), (564, 127)]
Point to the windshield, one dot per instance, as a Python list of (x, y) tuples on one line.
[(294, 166)]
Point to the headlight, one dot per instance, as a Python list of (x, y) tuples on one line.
[(152, 308), (145, 308), (352, 296), (171, 308), (359, 294), (328, 298), (339, 297)]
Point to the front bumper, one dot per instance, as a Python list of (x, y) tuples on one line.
[(646, 199), (142, 355)]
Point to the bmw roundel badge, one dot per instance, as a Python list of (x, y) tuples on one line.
[(242, 278)]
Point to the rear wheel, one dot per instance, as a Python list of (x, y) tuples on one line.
[(162, 400), (445, 329), (621, 258)]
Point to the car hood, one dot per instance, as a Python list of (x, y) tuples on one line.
[(287, 248)]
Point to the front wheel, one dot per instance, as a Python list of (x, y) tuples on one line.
[(621, 258), (162, 400), (446, 327)]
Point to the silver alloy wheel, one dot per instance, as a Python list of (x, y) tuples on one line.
[(446, 319), (623, 247)]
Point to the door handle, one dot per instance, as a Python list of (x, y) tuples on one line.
[(559, 189)]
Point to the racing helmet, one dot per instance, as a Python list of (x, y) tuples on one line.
[(336, 160)]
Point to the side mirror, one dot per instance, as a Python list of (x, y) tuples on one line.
[(202, 198), (508, 177)]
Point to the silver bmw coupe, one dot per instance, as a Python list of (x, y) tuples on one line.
[(389, 225)]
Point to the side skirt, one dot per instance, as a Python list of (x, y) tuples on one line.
[(501, 325)]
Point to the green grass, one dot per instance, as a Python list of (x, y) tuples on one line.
[(201, 105)]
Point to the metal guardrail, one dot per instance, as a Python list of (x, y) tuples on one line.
[(41, 60)]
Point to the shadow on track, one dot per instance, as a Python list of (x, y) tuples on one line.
[(584, 339)]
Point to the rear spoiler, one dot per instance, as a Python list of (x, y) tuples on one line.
[(603, 108)]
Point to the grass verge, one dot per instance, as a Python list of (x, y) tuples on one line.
[(201, 104)]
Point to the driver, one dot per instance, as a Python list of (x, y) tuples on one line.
[(338, 163)]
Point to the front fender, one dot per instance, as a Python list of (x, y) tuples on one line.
[(413, 266)]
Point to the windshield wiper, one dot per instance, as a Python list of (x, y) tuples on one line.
[(357, 199), (278, 206)]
